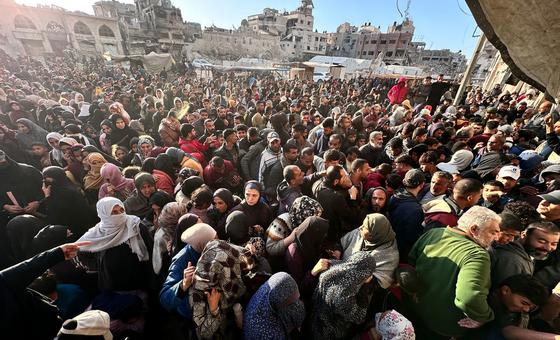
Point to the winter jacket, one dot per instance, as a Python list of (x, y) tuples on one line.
[(21, 304), (374, 156), (406, 217), (441, 213), (343, 215), (398, 92), (268, 159), (251, 161), (163, 182), (171, 297), (508, 260), (286, 195)]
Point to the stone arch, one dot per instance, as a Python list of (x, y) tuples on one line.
[(105, 31), (81, 28), (21, 21), (55, 27)]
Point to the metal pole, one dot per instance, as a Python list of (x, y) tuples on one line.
[(468, 72)]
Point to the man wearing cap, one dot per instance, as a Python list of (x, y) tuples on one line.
[(405, 211), (270, 155), (508, 176)]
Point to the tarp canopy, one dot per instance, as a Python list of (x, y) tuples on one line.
[(153, 62), (526, 32)]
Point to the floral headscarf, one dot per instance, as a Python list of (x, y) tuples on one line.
[(302, 208)]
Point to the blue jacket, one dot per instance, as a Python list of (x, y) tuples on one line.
[(406, 217), (169, 296)]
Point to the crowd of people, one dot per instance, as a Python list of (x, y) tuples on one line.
[(165, 206)]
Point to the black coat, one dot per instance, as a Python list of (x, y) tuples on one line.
[(25, 312), (343, 215), (374, 156)]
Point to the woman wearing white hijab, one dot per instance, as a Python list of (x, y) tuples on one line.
[(119, 245)]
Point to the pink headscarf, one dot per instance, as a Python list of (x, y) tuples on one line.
[(111, 173)]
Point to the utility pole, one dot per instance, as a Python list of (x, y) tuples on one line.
[(470, 67)]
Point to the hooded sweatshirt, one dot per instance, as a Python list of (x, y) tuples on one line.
[(509, 259)]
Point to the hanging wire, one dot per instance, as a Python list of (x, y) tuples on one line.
[(461, 9), (398, 9)]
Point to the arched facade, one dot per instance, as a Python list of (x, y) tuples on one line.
[(21, 21), (105, 31), (81, 28)]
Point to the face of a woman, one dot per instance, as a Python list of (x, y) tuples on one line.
[(120, 124), (220, 205), (117, 210), (147, 189), (53, 142), (156, 209), (252, 196), (120, 154), (106, 129), (146, 149), (22, 128)]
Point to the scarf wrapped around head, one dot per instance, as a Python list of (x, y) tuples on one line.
[(93, 179), (144, 139), (302, 208), (56, 153), (185, 222), (198, 236), (114, 230), (393, 325), (114, 176), (36, 134), (339, 286), (219, 267), (170, 215), (380, 231), (237, 228), (275, 310), (310, 239)]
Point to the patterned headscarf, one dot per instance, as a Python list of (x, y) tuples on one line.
[(336, 294), (170, 215), (219, 267), (274, 310), (379, 231), (391, 325), (302, 208)]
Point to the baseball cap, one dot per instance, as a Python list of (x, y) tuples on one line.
[(414, 178), (510, 171), (92, 322), (272, 136), (447, 167), (552, 197)]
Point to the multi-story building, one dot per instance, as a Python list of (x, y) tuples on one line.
[(49, 30), (367, 42), (486, 59)]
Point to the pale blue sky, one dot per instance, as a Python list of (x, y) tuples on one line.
[(439, 23)]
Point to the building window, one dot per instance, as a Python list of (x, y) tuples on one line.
[(309, 23), (24, 22), (55, 27), (308, 48), (374, 41), (383, 42), (370, 53), (81, 28), (389, 54), (105, 31), (391, 41)]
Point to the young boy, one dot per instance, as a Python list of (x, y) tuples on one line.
[(492, 195), (511, 302)]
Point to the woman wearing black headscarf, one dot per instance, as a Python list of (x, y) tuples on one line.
[(121, 134), (138, 203), (258, 212), (303, 257), (64, 204), (157, 201), (223, 202), (237, 228)]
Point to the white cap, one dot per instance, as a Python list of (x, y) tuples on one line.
[(510, 171), (452, 169), (92, 322)]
